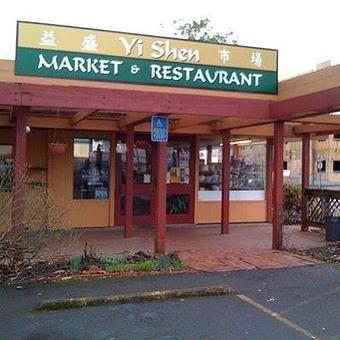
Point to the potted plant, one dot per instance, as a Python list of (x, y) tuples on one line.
[(58, 145), (57, 148)]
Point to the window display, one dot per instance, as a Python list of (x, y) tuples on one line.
[(6, 167), (91, 167), (247, 168), (178, 163), (141, 163)]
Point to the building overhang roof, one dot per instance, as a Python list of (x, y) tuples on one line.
[(304, 102)]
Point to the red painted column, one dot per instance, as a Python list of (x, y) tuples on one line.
[(269, 179), (128, 228), (305, 180), (225, 181), (18, 202), (278, 185), (160, 197)]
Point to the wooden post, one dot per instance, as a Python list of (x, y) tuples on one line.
[(305, 180), (18, 202), (209, 155), (225, 181), (160, 197), (269, 179), (112, 179), (128, 228), (278, 185)]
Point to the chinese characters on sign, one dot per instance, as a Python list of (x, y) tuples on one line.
[(90, 43), (47, 38)]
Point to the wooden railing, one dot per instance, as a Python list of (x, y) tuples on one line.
[(321, 203)]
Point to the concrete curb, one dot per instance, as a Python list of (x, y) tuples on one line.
[(134, 297)]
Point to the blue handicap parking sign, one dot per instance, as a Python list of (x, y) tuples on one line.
[(159, 128)]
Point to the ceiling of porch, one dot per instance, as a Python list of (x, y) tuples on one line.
[(100, 120)]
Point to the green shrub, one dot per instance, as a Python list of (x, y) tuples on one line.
[(76, 264), (113, 260), (292, 203), (169, 261), (146, 266), (119, 263), (120, 268), (163, 263), (178, 264)]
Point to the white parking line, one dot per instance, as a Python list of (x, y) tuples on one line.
[(276, 316)]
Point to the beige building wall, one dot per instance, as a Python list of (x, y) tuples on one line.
[(57, 172), (325, 147)]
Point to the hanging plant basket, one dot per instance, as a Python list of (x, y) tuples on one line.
[(57, 148), (58, 145)]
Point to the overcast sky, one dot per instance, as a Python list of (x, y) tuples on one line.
[(305, 32)]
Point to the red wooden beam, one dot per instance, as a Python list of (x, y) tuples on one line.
[(136, 119), (128, 227), (18, 202), (131, 100), (160, 197), (319, 102), (269, 179), (226, 135), (305, 180), (278, 185)]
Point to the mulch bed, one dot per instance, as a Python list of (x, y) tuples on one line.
[(25, 271), (58, 271), (329, 253)]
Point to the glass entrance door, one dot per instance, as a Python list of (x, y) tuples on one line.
[(142, 177), (180, 181)]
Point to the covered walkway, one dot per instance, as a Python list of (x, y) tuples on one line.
[(115, 113), (203, 248)]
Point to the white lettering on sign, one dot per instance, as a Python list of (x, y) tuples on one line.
[(160, 49), (256, 59), (204, 76), (164, 49), (224, 55), (90, 43), (48, 38), (134, 44), (85, 65)]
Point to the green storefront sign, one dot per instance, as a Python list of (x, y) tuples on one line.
[(40, 53)]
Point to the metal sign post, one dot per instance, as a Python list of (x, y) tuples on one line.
[(319, 167)]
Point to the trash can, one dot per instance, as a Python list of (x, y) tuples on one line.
[(333, 228)]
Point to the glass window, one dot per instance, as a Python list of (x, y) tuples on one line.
[(141, 163), (210, 177), (178, 163), (141, 205), (247, 167), (6, 167), (177, 204), (91, 168), (336, 166)]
